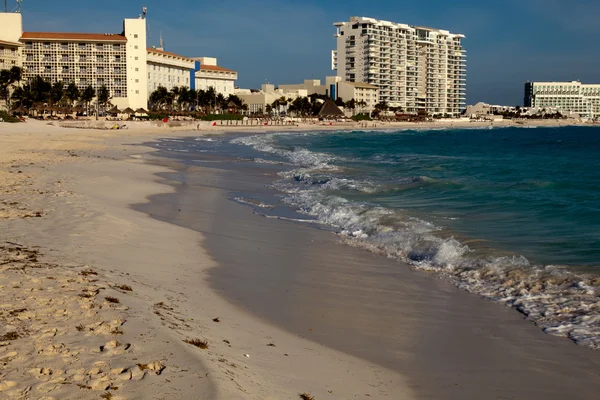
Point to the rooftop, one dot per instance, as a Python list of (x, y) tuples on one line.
[(5, 43), (166, 53), (80, 37), (214, 68)]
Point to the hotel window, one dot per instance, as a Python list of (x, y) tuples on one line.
[(117, 58), (100, 81), (47, 69), (117, 70), (100, 70), (135, 47), (82, 70), (118, 93), (29, 45), (82, 58), (64, 46), (65, 69), (136, 58), (81, 46), (83, 81), (99, 46), (117, 81), (135, 36), (64, 57), (137, 69), (47, 57), (116, 47), (137, 92), (137, 81), (46, 45), (29, 57), (100, 58)]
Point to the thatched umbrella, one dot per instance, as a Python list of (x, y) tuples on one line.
[(20, 110), (128, 111), (141, 111), (330, 110), (113, 110)]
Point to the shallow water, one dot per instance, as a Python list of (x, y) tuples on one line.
[(511, 214)]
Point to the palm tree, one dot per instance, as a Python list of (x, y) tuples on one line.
[(72, 93), (8, 79), (87, 96), (211, 98), (103, 96)]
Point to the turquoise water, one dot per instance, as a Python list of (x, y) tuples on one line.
[(530, 192), (511, 214)]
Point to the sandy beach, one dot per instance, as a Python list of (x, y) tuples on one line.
[(99, 297)]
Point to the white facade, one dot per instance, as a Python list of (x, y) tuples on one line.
[(212, 75), (566, 97), (257, 101), (416, 68), (10, 48), (137, 69), (360, 92), (117, 61), (168, 70)]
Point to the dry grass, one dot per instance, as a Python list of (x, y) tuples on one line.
[(142, 366), (107, 395), (88, 272), (306, 396), (126, 288), (201, 344), (80, 327), (117, 331), (111, 299), (9, 336)]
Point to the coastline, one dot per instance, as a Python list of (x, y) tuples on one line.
[(450, 344), (82, 183)]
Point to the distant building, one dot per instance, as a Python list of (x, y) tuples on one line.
[(169, 70), (10, 47), (416, 68), (567, 97), (114, 60), (334, 87), (257, 101), (209, 74)]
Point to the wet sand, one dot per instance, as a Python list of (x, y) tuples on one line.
[(448, 343)]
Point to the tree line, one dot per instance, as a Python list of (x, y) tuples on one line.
[(182, 98), (38, 92)]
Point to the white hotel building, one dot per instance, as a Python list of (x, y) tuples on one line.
[(416, 68), (574, 97), (169, 70), (209, 74)]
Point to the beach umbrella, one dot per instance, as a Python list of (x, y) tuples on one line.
[(114, 110), (128, 111), (330, 109), (141, 111)]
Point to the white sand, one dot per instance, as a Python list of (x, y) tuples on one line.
[(67, 341)]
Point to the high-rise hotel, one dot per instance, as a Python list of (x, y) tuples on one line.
[(416, 68)]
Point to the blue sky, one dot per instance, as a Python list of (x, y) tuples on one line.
[(286, 41)]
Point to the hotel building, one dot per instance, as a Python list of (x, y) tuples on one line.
[(10, 47), (169, 70), (334, 87), (209, 74), (115, 60), (416, 68), (574, 97)]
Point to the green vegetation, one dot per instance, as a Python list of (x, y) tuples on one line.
[(184, 99), (221, 117), (7, 117), (362, 117)]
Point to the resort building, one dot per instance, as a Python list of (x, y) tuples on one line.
[(416, 68), (209, 74), (257, 101), (566, 97), (115, 60), (169, 70), (10, 47), (334, 87)]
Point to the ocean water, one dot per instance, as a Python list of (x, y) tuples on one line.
[(512, 214)]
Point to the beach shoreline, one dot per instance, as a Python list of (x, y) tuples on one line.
[(81, 184), (84, 183)]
